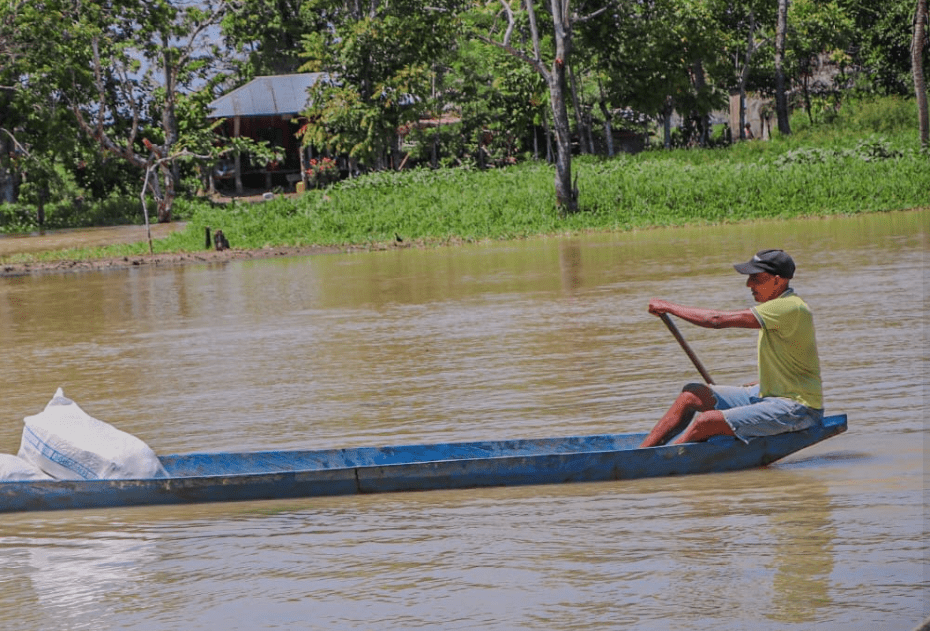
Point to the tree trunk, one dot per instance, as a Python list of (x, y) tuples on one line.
[(8, 177), (582, 116), (579, 121), (781, 99), (608, 124), (805, 84), (44, 195), (547, 128), (589, 130), (917, 68), (172, 133), (237, 157), (566, 198), (608, 130), (166, 202), (744, 75), (700, 86), (302, 154), (667, 123)]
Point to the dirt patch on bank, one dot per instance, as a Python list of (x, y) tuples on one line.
[(166, 259)]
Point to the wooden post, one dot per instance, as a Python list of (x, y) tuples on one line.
[(238, 158)]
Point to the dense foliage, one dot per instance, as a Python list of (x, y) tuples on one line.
[(103, 102), (818, 171)]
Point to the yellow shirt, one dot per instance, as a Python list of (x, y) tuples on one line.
[(788, 363)]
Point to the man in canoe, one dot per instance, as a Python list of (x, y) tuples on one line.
[(788, 396)]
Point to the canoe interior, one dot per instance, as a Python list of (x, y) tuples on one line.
[(204, 464), (245, 463)]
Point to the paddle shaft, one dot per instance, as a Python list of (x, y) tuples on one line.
[(686, 348)]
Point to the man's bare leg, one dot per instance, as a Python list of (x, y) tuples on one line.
[(694, 398), (707, 424)]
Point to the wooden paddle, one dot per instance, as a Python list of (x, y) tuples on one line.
[(684, 345)]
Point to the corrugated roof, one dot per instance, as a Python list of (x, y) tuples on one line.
[(267, 96)]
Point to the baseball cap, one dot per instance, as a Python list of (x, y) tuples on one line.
[(776, 262)]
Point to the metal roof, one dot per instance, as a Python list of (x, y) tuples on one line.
[(267, 96)]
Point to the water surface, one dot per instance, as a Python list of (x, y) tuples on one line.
[(534, 338)]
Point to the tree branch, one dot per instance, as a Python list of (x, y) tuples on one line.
[(590, 16), (511, 23), (15, 142), (519, 54)]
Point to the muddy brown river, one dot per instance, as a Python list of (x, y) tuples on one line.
[(534, 338)]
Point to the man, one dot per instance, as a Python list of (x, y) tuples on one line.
[(789, 394)]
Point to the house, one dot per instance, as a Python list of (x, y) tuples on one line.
[(265, 109), (757, 113)]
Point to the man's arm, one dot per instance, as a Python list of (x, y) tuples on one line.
[(708, 318)]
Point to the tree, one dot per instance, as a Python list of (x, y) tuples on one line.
[(266, 34), (819, 31), (554, 74), (781, 99), (881, 47), (658, 57), (16, 102), (918, 45), (120, 67), (379, 59), (140, 42), (500, 101), (749, 18)]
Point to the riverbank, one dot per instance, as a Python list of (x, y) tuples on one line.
[(826, 172), (171, 259)]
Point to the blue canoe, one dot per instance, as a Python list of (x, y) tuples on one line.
[(223, 477)]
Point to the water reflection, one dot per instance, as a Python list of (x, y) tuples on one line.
[(56, 577), (804, 557), (793, 539), (73, 580), (570, 265)]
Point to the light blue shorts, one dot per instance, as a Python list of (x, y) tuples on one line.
[(750, 415)]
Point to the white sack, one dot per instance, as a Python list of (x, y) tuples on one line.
[(69, 444), (13, 468)]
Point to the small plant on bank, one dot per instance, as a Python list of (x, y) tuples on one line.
[(322, 172), (869, 149)]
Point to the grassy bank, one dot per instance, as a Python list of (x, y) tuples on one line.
[(858, 164)]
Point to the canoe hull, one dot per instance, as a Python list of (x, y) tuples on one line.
[(292, 474)]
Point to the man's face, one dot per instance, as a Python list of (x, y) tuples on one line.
[(765, 286)]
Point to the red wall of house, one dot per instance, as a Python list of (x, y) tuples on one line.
[(274, 129)]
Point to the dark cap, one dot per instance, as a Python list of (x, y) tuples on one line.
[(775, 262)]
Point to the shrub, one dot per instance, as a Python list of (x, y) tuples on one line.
[(322, 172)]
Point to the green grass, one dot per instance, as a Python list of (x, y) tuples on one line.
[(866, 159)]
